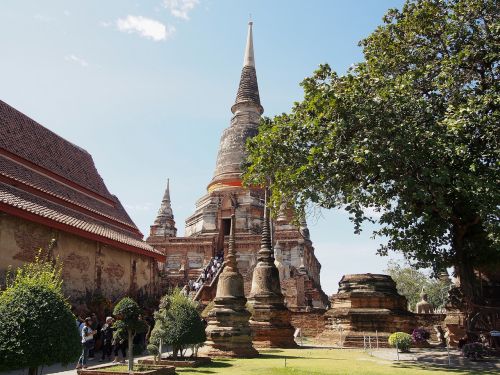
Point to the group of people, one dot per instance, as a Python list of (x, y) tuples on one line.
[(105, 337), (207, 274)]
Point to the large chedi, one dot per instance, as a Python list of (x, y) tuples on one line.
[(207, 229)]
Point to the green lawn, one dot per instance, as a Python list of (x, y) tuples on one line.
[(316, 362)]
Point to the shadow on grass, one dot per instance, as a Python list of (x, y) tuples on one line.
[(278, 356), (205, 369), (451, 369)]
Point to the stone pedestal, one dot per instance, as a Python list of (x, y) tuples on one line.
[(270, 319), (228, 330)]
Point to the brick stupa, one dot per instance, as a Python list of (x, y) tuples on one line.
[(270, 319), (228, 331)]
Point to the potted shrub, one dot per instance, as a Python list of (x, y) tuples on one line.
[(401, 341), (420, 337)]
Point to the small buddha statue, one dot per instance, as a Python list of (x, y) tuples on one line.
[(424, 307), (283, 269)]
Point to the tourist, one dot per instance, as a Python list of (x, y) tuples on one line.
[(95, 327), (107, 339), (80, 323), (119, 345), (87, 343)]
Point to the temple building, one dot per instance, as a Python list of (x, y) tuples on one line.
[(207, 229), (52, 198)]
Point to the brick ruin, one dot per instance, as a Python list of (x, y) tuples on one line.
[(207, 229)]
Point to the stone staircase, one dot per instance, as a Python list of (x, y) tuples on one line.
[(353, 339), (360, 341), (206, 293)]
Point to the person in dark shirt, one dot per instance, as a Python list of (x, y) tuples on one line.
[(107, 339)]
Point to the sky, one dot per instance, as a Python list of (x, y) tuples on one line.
[(146, 87)]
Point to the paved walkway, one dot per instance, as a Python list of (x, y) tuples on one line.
[(60, 369), (437, 357)]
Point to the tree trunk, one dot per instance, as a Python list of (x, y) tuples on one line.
[(174, 351), (33, 371), (464, 267), (130, 351)]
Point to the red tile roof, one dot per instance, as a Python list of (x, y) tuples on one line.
[(44, 177)]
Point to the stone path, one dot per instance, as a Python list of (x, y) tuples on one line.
[(437, 357)]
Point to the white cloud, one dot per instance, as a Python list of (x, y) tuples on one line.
[(145, 27), (180, 8), (77, 60)]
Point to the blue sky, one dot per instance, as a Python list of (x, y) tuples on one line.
[(146, 87)]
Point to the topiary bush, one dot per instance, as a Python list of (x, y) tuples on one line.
[(37, 327), (401, 340), (128, 312), (178, 323)]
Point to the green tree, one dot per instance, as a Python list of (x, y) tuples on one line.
[(410, 282), (178, 323), (411, 132), (128, 312), (37, 327)]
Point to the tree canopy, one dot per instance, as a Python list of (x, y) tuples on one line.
[(410, 282), (411, 132), (37, 326)]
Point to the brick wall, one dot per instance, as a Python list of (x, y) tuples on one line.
[(311, 323)]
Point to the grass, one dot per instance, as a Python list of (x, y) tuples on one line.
[(317, 362), (123, 368), (117, 368)]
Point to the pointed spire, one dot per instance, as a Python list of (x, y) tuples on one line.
[(166, 196), (164, 224), (248, 91), (244, 124), (231, 254), (266, 248), (249, 59)]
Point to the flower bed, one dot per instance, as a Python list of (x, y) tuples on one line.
[(187, 362), (420, 337), (123, 370)]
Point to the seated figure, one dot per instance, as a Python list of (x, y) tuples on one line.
[(424, 307)]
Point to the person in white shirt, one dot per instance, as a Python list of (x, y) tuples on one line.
[(87, 343)]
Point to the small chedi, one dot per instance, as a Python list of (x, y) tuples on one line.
[(228, 331), (423, 306), (270, 319), (366, 305)]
